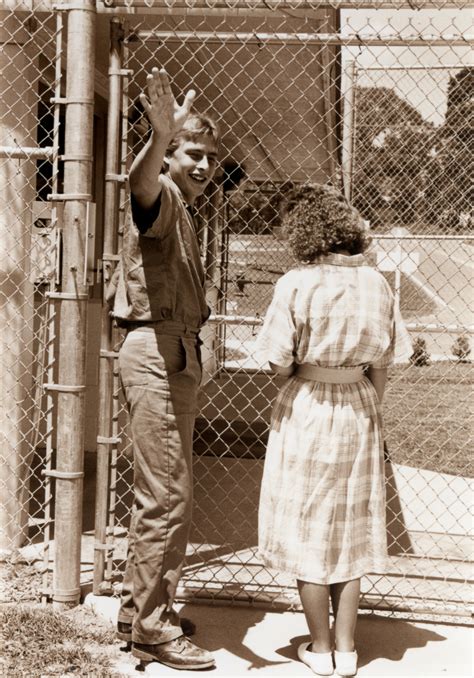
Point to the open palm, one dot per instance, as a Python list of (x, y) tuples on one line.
[(166, 116)]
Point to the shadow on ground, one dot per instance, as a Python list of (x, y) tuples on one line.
[(214, 633), (371, 639)]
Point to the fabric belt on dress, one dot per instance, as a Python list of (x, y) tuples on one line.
[(330, 375), (163, 327)]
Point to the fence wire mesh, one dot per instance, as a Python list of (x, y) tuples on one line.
[(29, 148), (376, 102)]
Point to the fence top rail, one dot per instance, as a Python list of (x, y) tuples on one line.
[(208, 6), (409, 236), (291, 4), (372, 39), (222, 319)]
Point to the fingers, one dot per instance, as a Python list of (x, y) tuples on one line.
[(164, 81), (144, 102), (157, 83), (154, 85), (188, 101), (161, 106)]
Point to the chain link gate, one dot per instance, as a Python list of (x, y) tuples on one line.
[(30, 235), (323, 92)]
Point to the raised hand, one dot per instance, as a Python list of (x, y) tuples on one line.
[(165, 115)]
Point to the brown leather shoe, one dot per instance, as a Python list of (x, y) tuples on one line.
[(124, 630), (179, 653)]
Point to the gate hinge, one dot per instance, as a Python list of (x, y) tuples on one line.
[(103, 547), (67, 6), (68, 296), (108, 354), (113, 440), (64, 388), (63, 475), (116, 177), (120, 71), (62, 197)]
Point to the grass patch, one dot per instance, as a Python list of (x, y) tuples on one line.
[(21, 582), (39, 641), (428, 417)]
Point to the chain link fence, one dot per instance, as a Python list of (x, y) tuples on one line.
[(374, 97), (296, 100), (29, 161)]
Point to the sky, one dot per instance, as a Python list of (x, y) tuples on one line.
[(424, 88)]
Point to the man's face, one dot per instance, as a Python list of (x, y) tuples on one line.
[(192, 166)]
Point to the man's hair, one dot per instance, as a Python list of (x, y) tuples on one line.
[(318, 220), (197, 125)]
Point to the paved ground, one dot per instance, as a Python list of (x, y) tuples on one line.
[(249, 641)]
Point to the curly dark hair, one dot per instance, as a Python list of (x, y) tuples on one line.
[(318, 220)]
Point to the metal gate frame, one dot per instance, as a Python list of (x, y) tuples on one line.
[(110, 440)]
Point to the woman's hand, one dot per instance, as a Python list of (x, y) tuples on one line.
[(378, 377)]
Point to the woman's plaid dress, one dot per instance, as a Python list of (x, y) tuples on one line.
[(322, 503)]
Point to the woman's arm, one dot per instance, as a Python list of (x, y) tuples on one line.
[(378, 377), (282, 371)]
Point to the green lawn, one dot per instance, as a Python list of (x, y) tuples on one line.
[(428, 417), (42, 642)]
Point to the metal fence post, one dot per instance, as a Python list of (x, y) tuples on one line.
[(348, 132), (104, 438), (73, 301)]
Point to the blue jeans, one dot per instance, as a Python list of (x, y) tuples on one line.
[(160, 376)]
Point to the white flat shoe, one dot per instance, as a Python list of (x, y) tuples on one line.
[(346, 663), (320, 663)]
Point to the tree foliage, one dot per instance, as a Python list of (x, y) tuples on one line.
[(392, 148), (408, 171), (461, 348), (256, 208), (449, 193), (420, 355)]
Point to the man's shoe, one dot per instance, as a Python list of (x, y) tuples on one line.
[(124, 630), (179, 653)]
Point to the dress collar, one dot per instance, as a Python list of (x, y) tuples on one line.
[(342, 259)]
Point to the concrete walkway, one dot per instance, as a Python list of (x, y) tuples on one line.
[(248, 641)]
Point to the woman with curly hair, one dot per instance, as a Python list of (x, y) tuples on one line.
[(332, 328)]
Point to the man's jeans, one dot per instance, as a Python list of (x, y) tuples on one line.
[(160, 376)]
